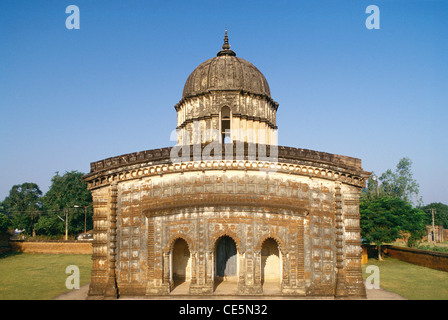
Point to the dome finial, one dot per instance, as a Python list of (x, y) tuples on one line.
[(226, 44), (226, 47)]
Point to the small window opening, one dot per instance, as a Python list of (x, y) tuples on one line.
[(225, 125)]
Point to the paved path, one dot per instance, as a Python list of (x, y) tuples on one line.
[(227, 291)]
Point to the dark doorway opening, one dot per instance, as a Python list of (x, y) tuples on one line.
[(226, 258)]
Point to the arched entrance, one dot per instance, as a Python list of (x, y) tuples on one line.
[(270, 265), (226, 258), (181, 262), (226, 266)]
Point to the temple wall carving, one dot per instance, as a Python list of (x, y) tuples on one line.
[(299, 212)]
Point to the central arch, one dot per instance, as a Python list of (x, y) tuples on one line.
[(226, 258)]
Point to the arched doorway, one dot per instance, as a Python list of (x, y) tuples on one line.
[(181, 262), (270, 264), (226, 258), (226, 266)]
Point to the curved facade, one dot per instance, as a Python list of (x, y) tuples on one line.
[(250, 214)]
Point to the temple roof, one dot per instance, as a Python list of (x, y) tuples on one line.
[(226, 71)]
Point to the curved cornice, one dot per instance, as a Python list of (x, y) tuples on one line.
[(271, 101), (289, 160), (235, 115)]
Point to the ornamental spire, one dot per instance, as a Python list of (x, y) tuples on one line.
[(226, 47)]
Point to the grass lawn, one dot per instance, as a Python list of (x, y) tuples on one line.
[(410, 281), (27, 276)]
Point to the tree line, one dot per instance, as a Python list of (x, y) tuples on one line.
[(27, 208)]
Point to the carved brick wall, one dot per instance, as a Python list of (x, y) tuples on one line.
[(312, 214), (100, 244), (205, 109), (352, 238)]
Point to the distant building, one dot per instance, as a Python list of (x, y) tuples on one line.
[(227, 203), (438, 234)]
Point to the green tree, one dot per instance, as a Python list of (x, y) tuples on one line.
[(4, 223), (50, 225), (400, 183), (385, 219), (440, 216), (378, 224), (412, 224), (66, 192), (24, 205)]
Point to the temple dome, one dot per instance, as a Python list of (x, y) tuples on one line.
[(226, 72), (225, 99)]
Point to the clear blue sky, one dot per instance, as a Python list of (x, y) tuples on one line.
[(71, 97)]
